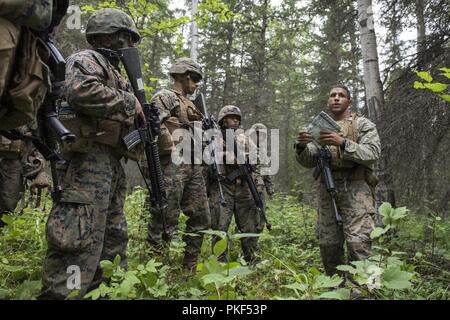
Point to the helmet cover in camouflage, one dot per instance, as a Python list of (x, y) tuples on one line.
[(183, 65), (109, 21), (229, 110), (259, 126)]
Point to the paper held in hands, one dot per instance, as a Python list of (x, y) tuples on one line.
[(322, 122)]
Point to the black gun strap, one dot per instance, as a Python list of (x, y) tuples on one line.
[(233, 175), (42, 148)]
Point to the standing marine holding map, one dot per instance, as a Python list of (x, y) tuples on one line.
[(354, 152)]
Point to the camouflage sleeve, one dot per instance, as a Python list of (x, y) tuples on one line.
[(268, 183), (306, 156), (167, 102), (86, 92), (367, 150), (34, 14)]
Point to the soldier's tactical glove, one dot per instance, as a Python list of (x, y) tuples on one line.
[(206, 124), (41, 181)]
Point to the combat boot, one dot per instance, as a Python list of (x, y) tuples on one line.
[(190, 263), (332, 256), (358, 250)]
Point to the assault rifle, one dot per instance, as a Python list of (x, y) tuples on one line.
[(210, 123), (323, 167), (146, 133), (245, 171)]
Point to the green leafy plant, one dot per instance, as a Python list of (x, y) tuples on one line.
[(435, 87), (146, 281), (391, 219), (218, 278)]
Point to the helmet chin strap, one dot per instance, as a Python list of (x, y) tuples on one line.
[(113, 56)]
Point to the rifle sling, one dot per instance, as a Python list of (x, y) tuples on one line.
[(42, 148)]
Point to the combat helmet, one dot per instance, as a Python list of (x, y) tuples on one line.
[(183, 65), (109, 21), (259, 126), (229, 110)]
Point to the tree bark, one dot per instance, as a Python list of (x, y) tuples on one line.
[(372, 81), (421, 38)]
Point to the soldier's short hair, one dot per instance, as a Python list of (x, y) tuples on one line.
[(342, 86)]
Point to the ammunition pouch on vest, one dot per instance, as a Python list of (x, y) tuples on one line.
[(350, 131), (28, 84), (354, 174), (346, 169), (10, 149), (165, 140), (184, 116), (89, 131)]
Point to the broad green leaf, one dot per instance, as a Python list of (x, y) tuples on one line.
[(394, 278), (125, 288), (218, 233), (446, 70), (88, 9), (296, 286), (378, 232), (117, 261), (385, 209), (239, 271), (339, 294), (418, 85), (445, 97), (238, 236), (74, 294), (220, 247), (436, 87), (216, 278), (152, 265), (323, 281), (346, 268), (425, 75), (399, 213)]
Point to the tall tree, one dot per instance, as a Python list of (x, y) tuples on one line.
[(372, 80)]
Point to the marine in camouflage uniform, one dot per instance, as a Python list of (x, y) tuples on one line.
[(19, 162), (24, 75), (34, 14), (87, 223), (354, 154), (264, 183), (238, 198), (185, 184)]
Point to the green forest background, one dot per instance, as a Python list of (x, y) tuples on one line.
[(277, 61)]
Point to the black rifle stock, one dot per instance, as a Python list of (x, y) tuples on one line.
[(245, 171), (51, 130), (210, 123), (146, 133), (323, 167)]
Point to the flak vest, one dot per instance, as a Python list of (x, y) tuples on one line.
[(89, 130), (346, 169), (186, 114)]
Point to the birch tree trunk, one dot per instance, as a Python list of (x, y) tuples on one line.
[(374, 93), (420, 32), (194, 31), (372, 81)]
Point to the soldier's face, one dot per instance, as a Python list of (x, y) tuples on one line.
[(191, 84), (118, 40), (123, 40), (232, 121), (338, 102)]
